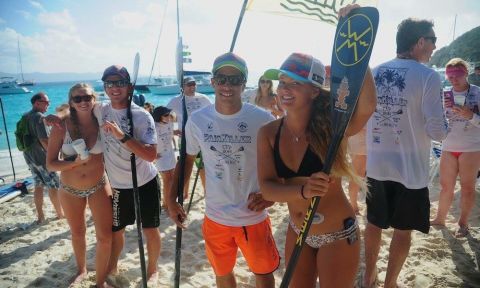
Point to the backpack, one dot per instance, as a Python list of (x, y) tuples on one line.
[(22, 134)]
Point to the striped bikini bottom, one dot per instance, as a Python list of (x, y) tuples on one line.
[(317, 241), (83, 193)]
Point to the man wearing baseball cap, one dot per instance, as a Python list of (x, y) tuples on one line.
[(193, 101), (118, 145), (235, 215)]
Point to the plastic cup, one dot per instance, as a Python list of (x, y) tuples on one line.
[(459, 100), (81, 148)]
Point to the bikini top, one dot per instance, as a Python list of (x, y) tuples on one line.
[(310, 164), (67, 147)]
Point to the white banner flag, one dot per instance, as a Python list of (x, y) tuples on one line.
[(324, 10)]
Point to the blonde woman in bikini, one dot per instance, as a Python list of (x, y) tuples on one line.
[(293, 150), (83, 180)]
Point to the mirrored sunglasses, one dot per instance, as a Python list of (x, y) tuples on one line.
[(234, 80), (79, 98), (118, 84)]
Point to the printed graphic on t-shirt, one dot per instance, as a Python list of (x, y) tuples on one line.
[(391, 103), (165, 138), (193, 105), (228, 149), (110, 142)]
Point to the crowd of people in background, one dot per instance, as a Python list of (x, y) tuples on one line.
[(250, 156)]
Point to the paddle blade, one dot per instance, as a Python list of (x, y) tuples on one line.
[(136, 65), (354, 39)]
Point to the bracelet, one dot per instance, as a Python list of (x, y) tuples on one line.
[(125, 138), (301, 192)]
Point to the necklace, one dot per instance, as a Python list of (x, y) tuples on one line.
[(295, 137)]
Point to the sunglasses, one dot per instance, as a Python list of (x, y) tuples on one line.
[(431, 38), (79, 98), (234, 80), (44, 101), (264, 81), (118, 84), (190, 84)]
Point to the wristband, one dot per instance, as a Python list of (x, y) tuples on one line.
[(125, 138), (301, 193)]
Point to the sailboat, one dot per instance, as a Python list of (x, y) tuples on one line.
[(23, 82)]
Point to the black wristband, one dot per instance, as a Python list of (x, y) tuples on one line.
[(301, 193), (125, 138)]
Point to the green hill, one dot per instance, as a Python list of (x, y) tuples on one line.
[(466, 46)]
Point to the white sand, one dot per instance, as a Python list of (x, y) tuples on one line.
[(41, 256)]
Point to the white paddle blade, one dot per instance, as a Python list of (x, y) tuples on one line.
[(136, 64)]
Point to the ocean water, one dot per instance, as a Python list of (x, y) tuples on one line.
[(15, 105)]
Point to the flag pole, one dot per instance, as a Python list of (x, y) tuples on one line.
[(239, 23)]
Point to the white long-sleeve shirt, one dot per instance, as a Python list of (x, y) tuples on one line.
[(408, 116)]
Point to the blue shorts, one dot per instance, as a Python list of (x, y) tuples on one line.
[(42, 177)]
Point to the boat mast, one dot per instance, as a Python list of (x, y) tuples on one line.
[(20, 59)]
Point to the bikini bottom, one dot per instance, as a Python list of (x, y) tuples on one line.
[(317, 241), (83, 193), (456, 154)]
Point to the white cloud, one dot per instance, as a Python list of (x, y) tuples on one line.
[(24, 14), (57, 21), (37, 5), (129, 20)]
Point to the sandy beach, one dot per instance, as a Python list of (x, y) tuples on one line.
[(41, 255)]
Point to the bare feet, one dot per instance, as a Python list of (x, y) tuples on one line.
[(79, 277), (371, 283), (463, 231), (152, 280), (104, 285), (437, 222)]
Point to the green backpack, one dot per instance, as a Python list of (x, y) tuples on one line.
[(22, 134)]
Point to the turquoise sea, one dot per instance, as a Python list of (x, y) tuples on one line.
[(15, 105)]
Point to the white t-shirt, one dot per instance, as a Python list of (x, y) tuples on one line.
[(193, 103), (409, 114), (116, 155), (166, 161), (229, 147), (464, 135)]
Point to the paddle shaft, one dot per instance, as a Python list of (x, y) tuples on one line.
[(133, 166)]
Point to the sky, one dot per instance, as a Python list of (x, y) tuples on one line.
[(89, 35)]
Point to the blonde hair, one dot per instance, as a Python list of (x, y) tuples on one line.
[(321, 133), (258, 96), (457, 62)]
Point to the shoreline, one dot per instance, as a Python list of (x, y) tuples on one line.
[(435, 260)]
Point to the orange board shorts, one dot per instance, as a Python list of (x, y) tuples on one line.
[(255, 241)]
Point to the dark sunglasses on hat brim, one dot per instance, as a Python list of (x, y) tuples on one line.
[(118, 84), (234, 80), (79, 98)]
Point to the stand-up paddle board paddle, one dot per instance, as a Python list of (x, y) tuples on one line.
[(352, 48)]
